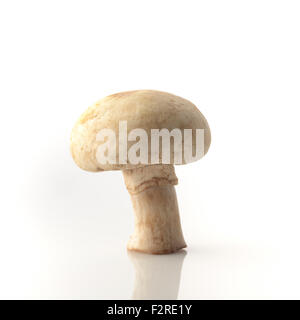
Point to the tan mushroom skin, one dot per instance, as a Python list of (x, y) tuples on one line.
[(151, 187)]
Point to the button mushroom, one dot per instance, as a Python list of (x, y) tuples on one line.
[(150, 176)]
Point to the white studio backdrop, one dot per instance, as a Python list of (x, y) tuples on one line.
[(63, 231)]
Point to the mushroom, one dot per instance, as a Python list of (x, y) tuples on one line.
[(150, 184)]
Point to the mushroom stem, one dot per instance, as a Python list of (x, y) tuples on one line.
[(157, 223)]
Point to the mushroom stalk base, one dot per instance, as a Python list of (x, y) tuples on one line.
[(157, 227)]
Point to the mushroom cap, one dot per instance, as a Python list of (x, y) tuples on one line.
[(145, 109)]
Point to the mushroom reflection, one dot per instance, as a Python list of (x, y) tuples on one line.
[(156, 276)]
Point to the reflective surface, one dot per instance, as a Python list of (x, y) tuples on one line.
[(65, 267)]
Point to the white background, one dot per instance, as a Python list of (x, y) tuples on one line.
[(63, 231)]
